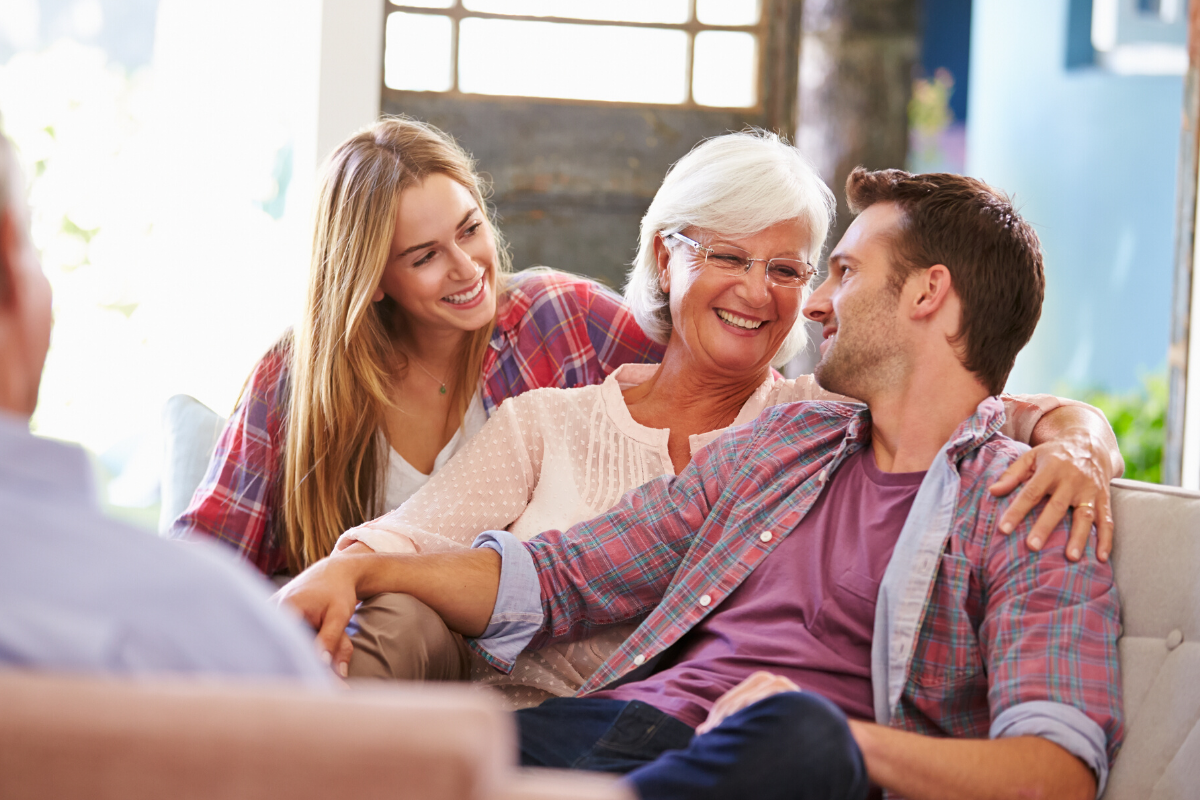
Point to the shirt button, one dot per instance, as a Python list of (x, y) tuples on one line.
[(639, 659), (765, 536), (705, 600), (824, 474)]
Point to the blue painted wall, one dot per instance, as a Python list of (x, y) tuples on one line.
[(945, 43), (1089, 158)]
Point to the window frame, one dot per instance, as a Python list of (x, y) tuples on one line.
[(456, 13)]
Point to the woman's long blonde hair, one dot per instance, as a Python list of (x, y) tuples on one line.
[(344, 354)]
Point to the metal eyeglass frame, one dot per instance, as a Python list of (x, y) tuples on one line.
[(812, 271)]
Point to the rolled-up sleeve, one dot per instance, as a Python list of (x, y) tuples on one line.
[(1049, 637), (1065, 725), (517, 615)]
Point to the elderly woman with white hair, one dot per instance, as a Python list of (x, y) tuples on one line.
[(724, 265)]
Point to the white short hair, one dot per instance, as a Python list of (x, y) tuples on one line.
[(735, 185)]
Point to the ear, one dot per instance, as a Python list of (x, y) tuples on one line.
[(933, 287), (378, 295), (662, 260), (10, 257)]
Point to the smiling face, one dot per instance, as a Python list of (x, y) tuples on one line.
[(858, 308), (442, 265), (731, 325)]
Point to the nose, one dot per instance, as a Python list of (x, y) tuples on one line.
[(819, 305), (754, 287), (463, 266)]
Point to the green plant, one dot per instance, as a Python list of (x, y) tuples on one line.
[(1139, 419)]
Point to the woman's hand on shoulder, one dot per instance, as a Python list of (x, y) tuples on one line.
[(1074, 472)]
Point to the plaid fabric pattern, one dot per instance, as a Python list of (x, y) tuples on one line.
[(551, 330), (1000, 625), (556, 330)]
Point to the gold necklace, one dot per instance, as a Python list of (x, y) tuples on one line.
[(430, 374)]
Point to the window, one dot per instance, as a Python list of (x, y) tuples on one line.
[(665, 52)]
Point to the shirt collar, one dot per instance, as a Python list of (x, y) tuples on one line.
[(28, 461), (976, 429), (969, 435), (513, 305)]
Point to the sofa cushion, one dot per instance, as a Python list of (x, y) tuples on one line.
[(1156, 559), (190, 433)]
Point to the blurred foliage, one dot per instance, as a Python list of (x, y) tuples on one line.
[(1139, 420), (929, 109), (930, 119)]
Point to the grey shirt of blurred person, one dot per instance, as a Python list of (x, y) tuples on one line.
[(81, 592)]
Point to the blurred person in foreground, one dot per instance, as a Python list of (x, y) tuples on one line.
[(83, 593), (825, 599)]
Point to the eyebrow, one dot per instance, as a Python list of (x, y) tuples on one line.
[(719, 240), (423, 245)]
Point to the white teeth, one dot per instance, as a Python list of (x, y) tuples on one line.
[(467, 296), (741, 322)]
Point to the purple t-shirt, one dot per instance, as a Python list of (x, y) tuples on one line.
[(806, 613)]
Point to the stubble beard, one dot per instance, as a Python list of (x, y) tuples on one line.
[(859, 365)]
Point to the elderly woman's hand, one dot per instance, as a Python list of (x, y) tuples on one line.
[(1073, 470)]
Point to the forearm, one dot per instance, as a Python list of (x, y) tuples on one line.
[(461, 586), (1081, 424), (928, 768)]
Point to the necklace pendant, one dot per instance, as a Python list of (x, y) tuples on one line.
[(443, 389)]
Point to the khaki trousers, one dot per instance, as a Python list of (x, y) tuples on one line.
[(397, 637)]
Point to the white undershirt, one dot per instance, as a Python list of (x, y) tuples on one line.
[(403, 479)]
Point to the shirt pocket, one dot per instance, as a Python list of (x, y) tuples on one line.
[(847, 613)]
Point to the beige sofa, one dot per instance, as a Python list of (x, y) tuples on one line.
[(106, 739), (1157, 563)]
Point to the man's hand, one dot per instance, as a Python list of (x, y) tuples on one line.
[(758, 686), (325, 594), (1072, 470)]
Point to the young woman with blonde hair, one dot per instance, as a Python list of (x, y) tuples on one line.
[(413, 332)]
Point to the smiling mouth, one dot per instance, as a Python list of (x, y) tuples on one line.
[(467, 296), (739, 322), (827, 338)]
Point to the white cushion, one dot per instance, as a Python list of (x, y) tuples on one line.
[(190, 433)]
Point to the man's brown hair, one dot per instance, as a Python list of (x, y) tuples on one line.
[(994, 258)]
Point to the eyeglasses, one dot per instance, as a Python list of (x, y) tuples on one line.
[(786, 273)]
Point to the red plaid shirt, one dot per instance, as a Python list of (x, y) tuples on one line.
[(977, 635), (551, 330)]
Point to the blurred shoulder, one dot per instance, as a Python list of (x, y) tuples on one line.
[(126, 600)]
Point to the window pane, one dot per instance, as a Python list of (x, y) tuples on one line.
[(727, 12), (588, 62), (416, 54), (624, 10), (424, 3), (724, 69)]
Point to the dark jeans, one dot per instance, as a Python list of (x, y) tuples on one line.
[(794, 745)]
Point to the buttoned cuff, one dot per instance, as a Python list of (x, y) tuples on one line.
[(517, 615), (1065, 725)]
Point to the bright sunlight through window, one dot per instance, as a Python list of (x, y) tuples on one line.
[(626, 51)]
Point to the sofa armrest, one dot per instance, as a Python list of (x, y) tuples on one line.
[(100, 738)]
